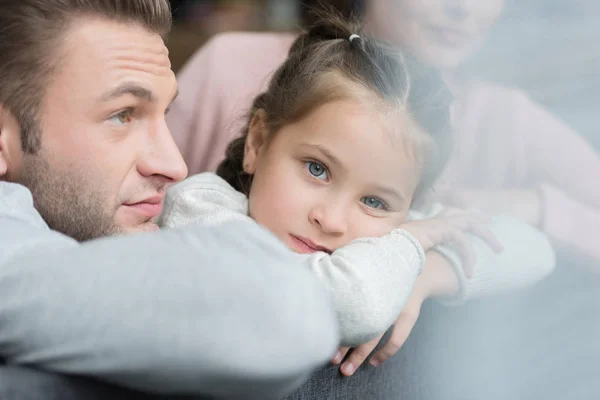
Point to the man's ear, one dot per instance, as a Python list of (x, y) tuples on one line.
[(10, 143), (258, 134), (3, 145)]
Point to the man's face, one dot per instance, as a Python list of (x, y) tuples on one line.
[(106, 153)]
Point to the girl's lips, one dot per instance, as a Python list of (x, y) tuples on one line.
[(306, 246)]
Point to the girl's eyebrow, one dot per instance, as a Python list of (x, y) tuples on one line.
[(391, 192), (326, 153)]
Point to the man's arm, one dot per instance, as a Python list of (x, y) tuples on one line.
[(223, 311)]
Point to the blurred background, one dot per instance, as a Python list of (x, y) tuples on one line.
[(547, 47), (198, 20)]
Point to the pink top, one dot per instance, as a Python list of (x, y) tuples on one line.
[(504, 140)]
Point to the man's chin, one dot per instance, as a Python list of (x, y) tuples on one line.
[(148, 226), (130, 221)]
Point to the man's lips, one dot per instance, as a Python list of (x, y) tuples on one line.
[(306, 246), (150, 207)]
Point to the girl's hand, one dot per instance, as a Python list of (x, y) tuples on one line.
[(451, 227), (437, 279)]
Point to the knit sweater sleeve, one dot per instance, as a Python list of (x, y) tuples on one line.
[(370, 279), (527, 258)]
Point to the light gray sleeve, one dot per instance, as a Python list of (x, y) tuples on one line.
[(527, 258), (371, 280), (225, 312)]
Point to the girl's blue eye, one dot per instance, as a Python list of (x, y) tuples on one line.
[(374, 202), (122, 118), (317, 170)]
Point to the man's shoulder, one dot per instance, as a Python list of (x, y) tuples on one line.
[(9, 189), (22, 229), (16, 203), (14, 197)]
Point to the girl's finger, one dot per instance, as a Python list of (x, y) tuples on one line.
[(358, 356), (402, 329), (339, 356)]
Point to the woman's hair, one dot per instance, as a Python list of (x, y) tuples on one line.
[(327, 64), (349, 9)]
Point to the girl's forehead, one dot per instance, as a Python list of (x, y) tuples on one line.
[(358, 120), (361, 139)]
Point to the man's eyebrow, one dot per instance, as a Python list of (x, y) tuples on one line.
[(133, 89)]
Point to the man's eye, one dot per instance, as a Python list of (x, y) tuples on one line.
[(123, 117)]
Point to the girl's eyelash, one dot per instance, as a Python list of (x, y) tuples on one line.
[(321, 163), (384, 204)]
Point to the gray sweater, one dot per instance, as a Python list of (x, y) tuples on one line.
[(224, 311)]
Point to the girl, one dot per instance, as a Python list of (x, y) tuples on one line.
[(347, 137)]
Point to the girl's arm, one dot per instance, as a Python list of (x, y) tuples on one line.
[(527, 257), (370, 279)]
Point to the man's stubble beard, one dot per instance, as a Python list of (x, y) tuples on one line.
[(68, 200)]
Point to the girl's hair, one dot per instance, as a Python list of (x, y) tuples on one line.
[(310, 78)]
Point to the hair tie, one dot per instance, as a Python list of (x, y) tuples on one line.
[(353, 36)]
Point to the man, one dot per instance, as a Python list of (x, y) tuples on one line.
[(85, 154)]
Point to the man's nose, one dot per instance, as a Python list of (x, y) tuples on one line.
[(161, 157)]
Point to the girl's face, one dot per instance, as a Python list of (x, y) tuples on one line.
[(341, 173), (442, 33)]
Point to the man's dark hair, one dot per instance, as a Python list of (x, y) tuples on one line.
[(31, 32)]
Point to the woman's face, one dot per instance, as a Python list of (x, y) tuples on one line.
[(441, 33)]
